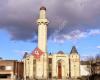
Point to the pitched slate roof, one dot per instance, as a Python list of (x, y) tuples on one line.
[(74, 50)]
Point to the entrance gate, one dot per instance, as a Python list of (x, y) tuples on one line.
[(59, 70)]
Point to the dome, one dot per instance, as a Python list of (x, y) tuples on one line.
[(60, 52), (42, 8)]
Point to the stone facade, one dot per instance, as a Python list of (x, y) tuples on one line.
[(69, 66)]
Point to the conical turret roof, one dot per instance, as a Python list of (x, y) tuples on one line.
[(74, 50), (25, 55)]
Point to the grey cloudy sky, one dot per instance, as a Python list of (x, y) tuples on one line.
[(66, 17)]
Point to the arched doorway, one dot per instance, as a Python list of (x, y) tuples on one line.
[(59, 70)]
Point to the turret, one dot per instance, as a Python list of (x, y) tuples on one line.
[(74, 63)]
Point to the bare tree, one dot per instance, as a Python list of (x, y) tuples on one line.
[(93, 64)]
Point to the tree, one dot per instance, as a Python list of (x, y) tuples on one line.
[(93, 64)]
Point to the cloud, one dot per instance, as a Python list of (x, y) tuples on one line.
[(75, 35), (98, 47), (94, 32), (18, 17), (21, 53)]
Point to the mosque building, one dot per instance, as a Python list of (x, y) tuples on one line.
[(39, 65)]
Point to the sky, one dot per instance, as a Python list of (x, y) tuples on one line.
[(71, 22)]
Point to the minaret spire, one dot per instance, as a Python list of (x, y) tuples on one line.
[(42, 12)]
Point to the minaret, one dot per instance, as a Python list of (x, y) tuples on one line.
[(42, 30), (41, 64)]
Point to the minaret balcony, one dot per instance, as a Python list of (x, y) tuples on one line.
[(42, 21)]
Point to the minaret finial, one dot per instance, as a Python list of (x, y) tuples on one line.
[(43, 8)]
